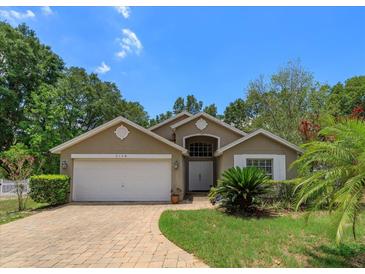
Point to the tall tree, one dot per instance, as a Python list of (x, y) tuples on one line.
[(211, 109), (179, 105), (77, 103), (280, 104), (191, 104), (160, 117), (41, 126), (344, 98), (236, 114), (25, 64)]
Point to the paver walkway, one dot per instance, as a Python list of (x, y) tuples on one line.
[(94, 236)]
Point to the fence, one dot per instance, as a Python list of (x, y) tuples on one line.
[(8, 187)]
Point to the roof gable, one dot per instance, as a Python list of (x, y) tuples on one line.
[(58, 149), (210, 117), (256, 132), (171, 119)]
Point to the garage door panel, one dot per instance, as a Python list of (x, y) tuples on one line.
[(122, 180)]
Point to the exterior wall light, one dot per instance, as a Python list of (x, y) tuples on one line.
[(64, 164), (176, 164)]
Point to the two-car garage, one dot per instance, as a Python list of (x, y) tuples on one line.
[(117, 177), (121, 161)]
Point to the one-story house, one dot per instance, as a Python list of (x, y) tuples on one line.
[(122, 161)]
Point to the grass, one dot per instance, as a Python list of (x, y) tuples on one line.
[(221, 240), (9, 209)]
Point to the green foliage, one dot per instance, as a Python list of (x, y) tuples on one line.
[(16, 152), (159, 118), (332, 172), (211, 109), (292, 96), (25, 64), (236, 114), (280, 104), (51, 189), (17, 162), (191, 105), (44, 104), (239, 188), (179, 105), (344, 98), (18, 166), (280, 195)]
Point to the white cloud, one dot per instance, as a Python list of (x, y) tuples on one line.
[(103, 68), (12, 15), (129, 43), (46, 10), (121, 54), (123, 10)]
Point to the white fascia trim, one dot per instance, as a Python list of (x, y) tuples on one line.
[(256, 132), (59, 148), (113, 122), (203, 134), (121, 156), (170, 119), (210, 117)]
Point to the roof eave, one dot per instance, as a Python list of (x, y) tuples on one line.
[(208, 116), (220, 151), (170, 119), (58, 149)]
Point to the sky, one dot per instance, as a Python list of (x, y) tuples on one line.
[(156, 54)]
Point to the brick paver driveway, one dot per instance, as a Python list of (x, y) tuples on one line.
[(93, 236)]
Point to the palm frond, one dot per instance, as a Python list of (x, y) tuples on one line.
[(332, 173)]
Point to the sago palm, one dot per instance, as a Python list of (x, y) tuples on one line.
[(238, 188), (332, 173)]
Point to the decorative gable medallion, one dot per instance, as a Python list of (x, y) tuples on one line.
[(121, 132), (201, 124)]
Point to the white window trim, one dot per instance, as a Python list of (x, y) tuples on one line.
[(121, 156), (278, 163), (271, 174)]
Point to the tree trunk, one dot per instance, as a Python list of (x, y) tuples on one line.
[(19, 191)]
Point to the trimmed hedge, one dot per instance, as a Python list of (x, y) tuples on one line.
[(52, 189)]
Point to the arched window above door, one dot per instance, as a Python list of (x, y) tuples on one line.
[(200, 149)]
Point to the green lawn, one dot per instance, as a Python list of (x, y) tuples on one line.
[(9, 209), (287, 241)]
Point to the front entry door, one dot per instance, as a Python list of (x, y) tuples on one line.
[(200, 175)]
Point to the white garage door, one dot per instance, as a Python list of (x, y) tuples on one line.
[(122, 180)]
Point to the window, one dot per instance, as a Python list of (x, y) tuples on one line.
[(265, 164), (200, 150)]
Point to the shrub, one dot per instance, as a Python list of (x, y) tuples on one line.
[(51, 189), (281, 194), (239, 188)]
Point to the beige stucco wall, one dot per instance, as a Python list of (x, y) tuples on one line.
[(136, 142), (226, 135), (165, 130), (259, 144)]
